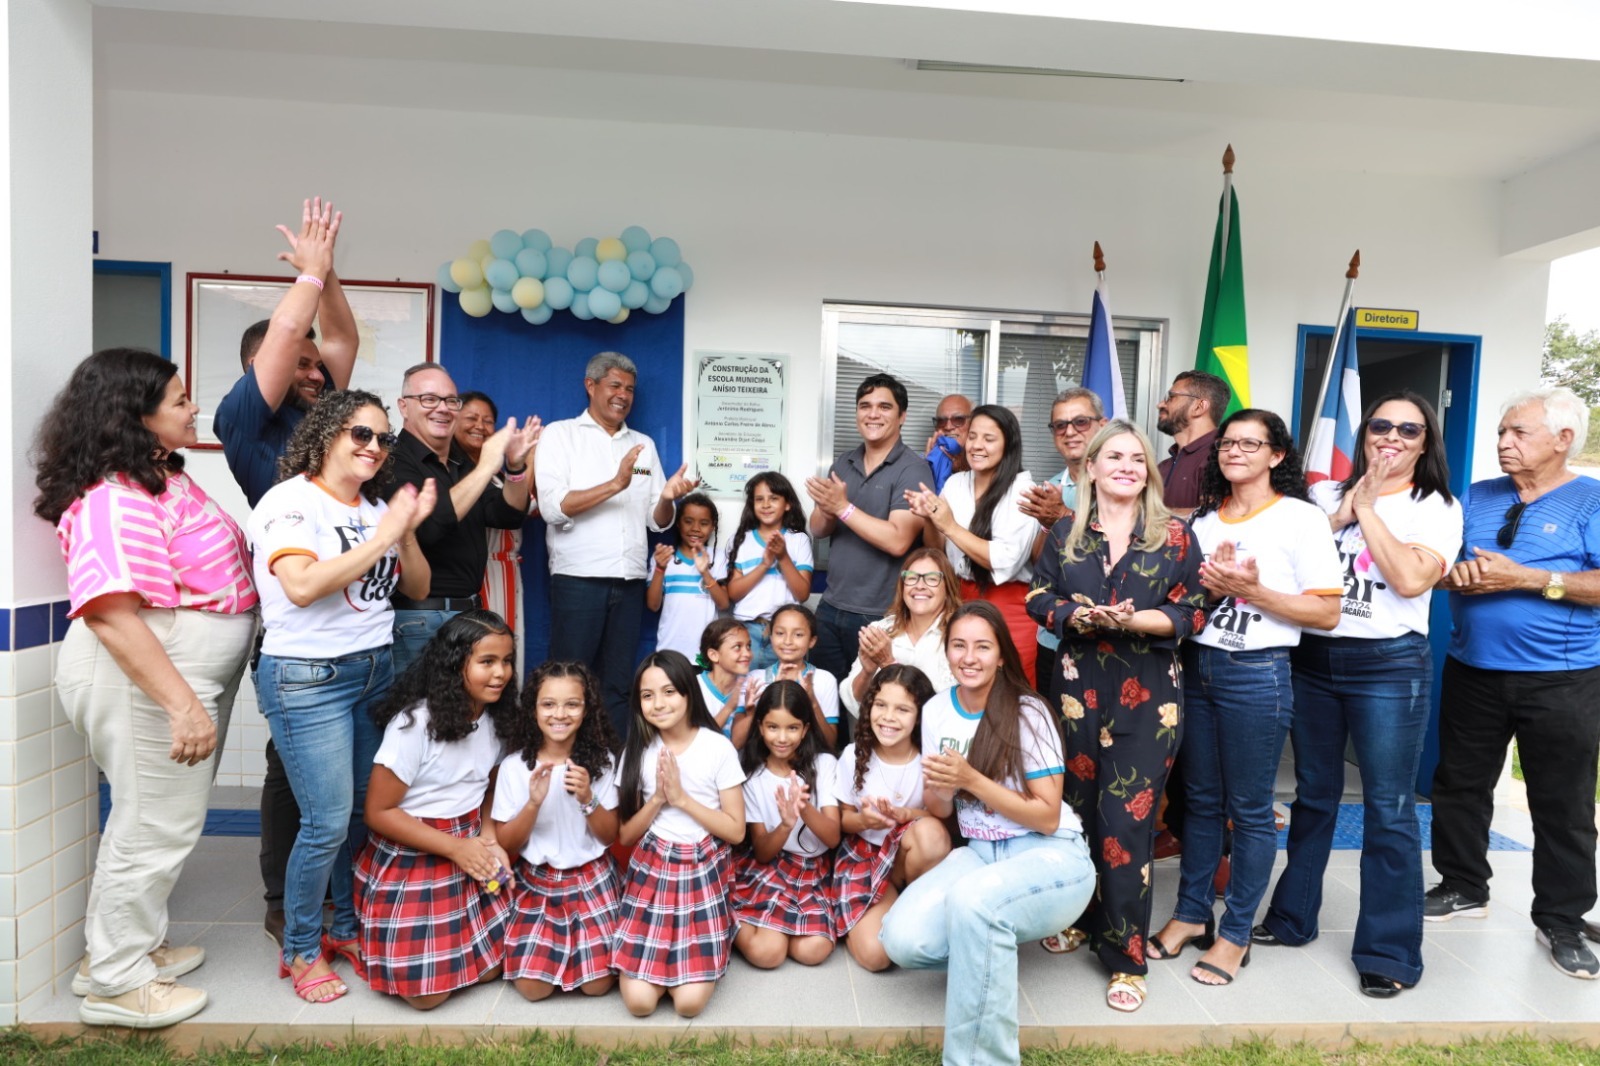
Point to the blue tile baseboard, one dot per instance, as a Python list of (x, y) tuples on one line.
[(33, 625)]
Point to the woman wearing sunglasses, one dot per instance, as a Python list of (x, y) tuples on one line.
[(328, 555), (1368, 683)]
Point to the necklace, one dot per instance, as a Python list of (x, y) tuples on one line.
[(900, 778)]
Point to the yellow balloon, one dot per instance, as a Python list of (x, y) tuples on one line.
[(476, 302), (479, 250), (527, 292), (466, 273), (622, 316), (610, 248), (483, 263)]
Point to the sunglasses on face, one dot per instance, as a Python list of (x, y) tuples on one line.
[(1508, 532), (1080, 424), (950, 420), (1380, 427), (933, 579), (364, 435)]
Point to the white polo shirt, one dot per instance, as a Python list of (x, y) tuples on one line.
[(607, 540)]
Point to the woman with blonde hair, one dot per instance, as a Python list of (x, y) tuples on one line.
[(911, 632)]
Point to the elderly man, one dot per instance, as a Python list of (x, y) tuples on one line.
[(950, 419), (600, 489), (1524, 664), (1189, 415)]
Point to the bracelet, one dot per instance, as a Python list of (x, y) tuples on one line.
[(589, 808), (844, 515), (311, 278), (514, 476)]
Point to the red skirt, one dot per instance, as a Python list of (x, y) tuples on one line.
[(861, 872), (1011, 599), (676, 926), (562, 923), (426, 927), (788, 894)]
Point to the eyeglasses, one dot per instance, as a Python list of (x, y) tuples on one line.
[(1380, 427), (1248, 445), (953, 420), (1508, 532), (364, 435), (933, 579), (1175, 394), (430, 400), (1081, 424)]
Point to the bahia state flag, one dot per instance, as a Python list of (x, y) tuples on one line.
[(1102, 373), (1333, 438)]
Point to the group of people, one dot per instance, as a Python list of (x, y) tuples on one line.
[(1022, 682)]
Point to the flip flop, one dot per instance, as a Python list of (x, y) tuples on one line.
[(1064, 942)]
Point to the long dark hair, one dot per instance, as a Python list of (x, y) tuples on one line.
[(697, 499), (1288, 478), (630, 786), (592, 747), (917, 686), (793, 521), (436, 679), (1433, 472), (783, 696), (95, 428), (1005, 475), (996, 751), (322, 425)]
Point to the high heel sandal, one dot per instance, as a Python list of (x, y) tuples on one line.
[(1202, 940), (350, 950), (306, 983), (1217, 971)]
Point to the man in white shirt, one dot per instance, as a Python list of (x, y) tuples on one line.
[(600, 488)]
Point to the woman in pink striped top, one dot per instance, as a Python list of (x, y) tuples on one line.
[(163, 613)]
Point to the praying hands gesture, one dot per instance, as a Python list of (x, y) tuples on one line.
[(792, 800)]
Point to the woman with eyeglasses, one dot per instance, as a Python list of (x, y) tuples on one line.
[(1368, 683), (1271, 571), (328, 555), (911, 632)]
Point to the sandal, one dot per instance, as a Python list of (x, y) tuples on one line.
[(1130, 985), (306, 984), (1064, 942), (1158, 950), (1217, 971), (350, 950)]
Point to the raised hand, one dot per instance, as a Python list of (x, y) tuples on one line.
[(311, 250), (679, 485), (576, 781), (408, 508), (539, 783), (1363, 495), (663, 557), (625, 468), (522, 441)]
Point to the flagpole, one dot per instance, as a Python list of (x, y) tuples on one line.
[(1227, 215), (1333, 349)]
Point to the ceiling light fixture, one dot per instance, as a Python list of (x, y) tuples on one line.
[(1050, 72)]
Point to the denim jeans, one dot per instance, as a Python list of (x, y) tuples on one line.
[(595, 621), (838, 639), (412, 631), (320, 712), (969, 913), (1237, 707), (1375, 694), (761, 653)]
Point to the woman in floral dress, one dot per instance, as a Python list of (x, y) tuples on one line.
[(1119, 582)]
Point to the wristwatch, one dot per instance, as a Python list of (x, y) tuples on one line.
[(1556, 587)]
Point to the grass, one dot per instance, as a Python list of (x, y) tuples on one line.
[(1516, 770), (19, 1048)]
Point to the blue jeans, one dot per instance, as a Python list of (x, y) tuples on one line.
[(1237, 707), (838, 639), (412, 631), (320, 712), (761, 653), (968, 914), (1375, 693), (595, 621)]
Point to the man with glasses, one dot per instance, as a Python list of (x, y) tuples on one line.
[(1189, 416), (1524, 665), (949, 420), (453, 538)]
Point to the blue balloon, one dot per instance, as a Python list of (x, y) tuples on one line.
[(634, 296), (657, 304), (641, 265), (501, 274), (536, 239), (538, 315), (558, 293), (687, 275), (531, 263), (505, 244), (586, 247), (666, 282), (502, 301), (603, 303), (556, 262), (636, 238), (613, 275), (446, 282), (666, 252), (583, 273), (580, 306)]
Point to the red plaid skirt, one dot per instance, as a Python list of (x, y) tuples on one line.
[(788, 894), (426, 927), (861, 872), (676, 926), (562, 923)]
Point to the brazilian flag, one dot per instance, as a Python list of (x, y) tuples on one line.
[(1224, 350)]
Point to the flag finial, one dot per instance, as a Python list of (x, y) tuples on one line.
[(1099, 258), (1227, 160), (1355, 266)]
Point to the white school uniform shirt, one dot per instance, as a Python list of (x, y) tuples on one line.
[(707, 766), (1294, 553), (560, 838), (715, 700), (761, 803), (686, 608), (1370, 608), (900, 785), (946, 724), (300, 517), (824, 684), (772, 591), (607, 540), (443, 779), (926, 655), (1011, 540)]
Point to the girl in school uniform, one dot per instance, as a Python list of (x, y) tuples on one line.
[(780, 894), (724, 681), (769, 560), (793, 630), (682, 806), (432, 917), (555, 807), (687, 579)]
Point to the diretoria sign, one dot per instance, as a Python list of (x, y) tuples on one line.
[(739, 401), (1385, 318)]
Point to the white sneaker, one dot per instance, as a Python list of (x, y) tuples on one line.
[(170, 963), (152, 1006)]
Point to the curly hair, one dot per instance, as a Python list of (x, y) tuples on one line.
[(436, 679), (595, 740), (1287, 478), (314, 436), (917, 686), (641, 734), (95, 428)]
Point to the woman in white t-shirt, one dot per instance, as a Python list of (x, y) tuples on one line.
[(1272, 570), (911, 632), (1398, 530), (991, 752), (328, 554)]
